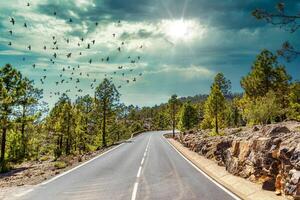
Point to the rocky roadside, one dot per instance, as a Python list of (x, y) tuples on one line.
[(35, 172), (268, 155)]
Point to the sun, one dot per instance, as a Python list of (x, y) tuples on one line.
[(180, 29), (177, 29)]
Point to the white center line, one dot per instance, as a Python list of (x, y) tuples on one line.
[(136, 184), (139, 172), (135, 187)]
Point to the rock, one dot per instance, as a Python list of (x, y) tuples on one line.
[(255, 128), (275, 130), (269, 184), (295, 179), (278, 184), (269, 155)]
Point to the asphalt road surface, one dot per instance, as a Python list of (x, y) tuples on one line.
[(146, 167)]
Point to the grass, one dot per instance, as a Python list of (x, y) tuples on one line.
[(60, 165)]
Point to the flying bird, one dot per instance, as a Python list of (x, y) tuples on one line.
[(12, 20)]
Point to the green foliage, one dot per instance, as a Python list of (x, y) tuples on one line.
[(223, 83), (266, 75), (60, 165), (294, 102), (173, 107), (261, 110), (107, 98), (188, 117), (214, 109)]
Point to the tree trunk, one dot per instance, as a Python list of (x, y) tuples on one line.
[(3, 143), (216, 128)]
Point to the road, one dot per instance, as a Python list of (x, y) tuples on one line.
[(146, 167)]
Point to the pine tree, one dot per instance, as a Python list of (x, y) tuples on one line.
[(214, 106), (10, 92), (173, 109), (107, 97), (188, 116)]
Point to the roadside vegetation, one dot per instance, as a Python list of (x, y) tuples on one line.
[(32, 131)]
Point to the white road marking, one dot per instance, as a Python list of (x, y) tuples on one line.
[(135, 187), (67, 172), (23, 193), (139, 172), (143, 161), (202, 172)]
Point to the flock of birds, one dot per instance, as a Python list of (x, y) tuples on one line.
[(73, 75)]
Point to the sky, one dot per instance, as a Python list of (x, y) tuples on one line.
[(166, 46)]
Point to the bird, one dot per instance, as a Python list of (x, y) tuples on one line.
[(54, 13), (69, 55), (114, 35), (29, 47), (9, 43), (10, 32), (54, 55), (12, 20), (90, 61), (28, 4), (134, 79), (96, 23), (88, 46), (70, 20), (25, 25), (119, 49), (33, 65), (107, 59), (45, 47), (82, 39)]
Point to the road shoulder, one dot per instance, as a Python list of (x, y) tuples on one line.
[(239, 186)]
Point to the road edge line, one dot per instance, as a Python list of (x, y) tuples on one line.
[(212, 179)]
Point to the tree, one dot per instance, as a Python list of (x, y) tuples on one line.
[(173, 108), (10, 92), (107, 97), (294, 102), (223, 83), (27, 109), (266, 75), (188, 116), (214, 106), (85, 124), (289, 22), (261, 110)]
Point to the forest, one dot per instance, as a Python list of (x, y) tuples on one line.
[(30, 131)]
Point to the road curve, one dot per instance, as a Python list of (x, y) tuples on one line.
[(146, 167)]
